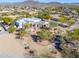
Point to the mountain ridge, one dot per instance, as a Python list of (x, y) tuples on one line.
[(38, 4)]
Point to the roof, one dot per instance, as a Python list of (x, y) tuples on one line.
[(25, 20)]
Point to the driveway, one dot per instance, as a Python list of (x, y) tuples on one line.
[(9, 47), (3, 32)]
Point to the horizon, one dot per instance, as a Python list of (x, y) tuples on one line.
[(41, 1)]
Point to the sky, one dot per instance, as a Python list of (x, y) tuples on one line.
[(45, 1)]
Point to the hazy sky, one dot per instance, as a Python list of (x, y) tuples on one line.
[(62, 1)]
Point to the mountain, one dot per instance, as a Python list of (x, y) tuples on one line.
[(72, 3), (31, 3)]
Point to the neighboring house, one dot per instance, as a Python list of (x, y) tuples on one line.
[(64, 25), (19, 23), (67, 11), (54, 19)]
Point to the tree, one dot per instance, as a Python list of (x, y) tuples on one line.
[(63, 19), (7, 20), (44, 34)]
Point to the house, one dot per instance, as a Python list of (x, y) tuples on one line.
[(67, 11), (64, 25), (54, 19), (19, 23)]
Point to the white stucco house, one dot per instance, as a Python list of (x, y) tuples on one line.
[(19, 23)]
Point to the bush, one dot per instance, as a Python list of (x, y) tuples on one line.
[(74, 35), (11, 29), (22, 32), (43, 14), (69, 52), (52, 24), (7, 20), (71, 21), (25, 14), (44, 34), (27, 25), (63, 19)]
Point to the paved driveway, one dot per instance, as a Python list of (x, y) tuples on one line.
[(3, 32)]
